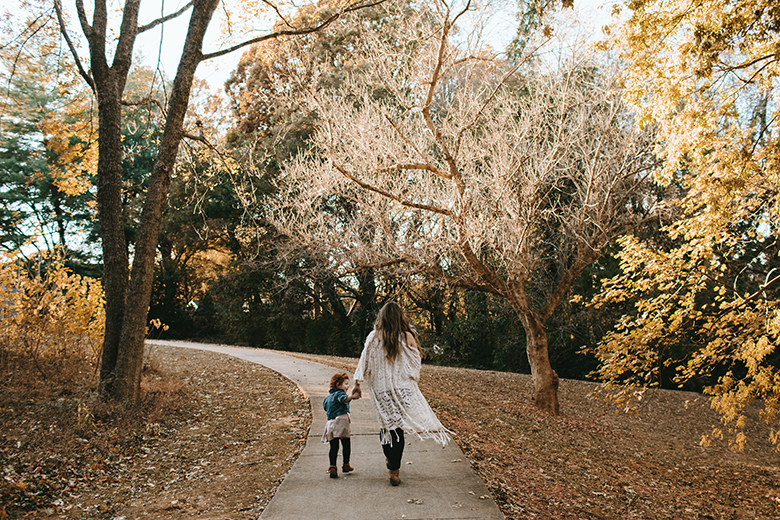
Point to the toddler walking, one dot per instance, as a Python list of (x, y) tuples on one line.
[(336, 406)]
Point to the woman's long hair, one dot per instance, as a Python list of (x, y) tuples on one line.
[(391, 322)]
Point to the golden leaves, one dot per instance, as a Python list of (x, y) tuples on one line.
[(72, 153), (704, 74), (50, 312)]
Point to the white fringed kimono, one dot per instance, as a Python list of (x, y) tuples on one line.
[(397, 399)]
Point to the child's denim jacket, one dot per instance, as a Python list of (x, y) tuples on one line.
[(336, 403)]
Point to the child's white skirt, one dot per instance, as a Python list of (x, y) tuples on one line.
[(337, 428)]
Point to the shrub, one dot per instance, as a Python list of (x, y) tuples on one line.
[(52, 321)]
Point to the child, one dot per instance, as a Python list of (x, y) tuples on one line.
[(336, 405)]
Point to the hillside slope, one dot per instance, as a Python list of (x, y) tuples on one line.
[(594, 461), (217, 435)]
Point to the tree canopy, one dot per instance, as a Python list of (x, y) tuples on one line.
[(100, 40), (47, 152), (440, 160), (705, 290)]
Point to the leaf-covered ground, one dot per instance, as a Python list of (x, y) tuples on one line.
[(592, 462), (213, 439), (217, 435)]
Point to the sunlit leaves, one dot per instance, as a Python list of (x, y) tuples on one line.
[(705, 290), (49, 314), (47, 148)]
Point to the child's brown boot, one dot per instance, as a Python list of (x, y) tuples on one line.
[(394, 478), (346, 468), (334, 473)]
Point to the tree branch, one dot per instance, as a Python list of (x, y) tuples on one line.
[(430, 167), (30, 26), (432, 270), (376, 265), (387, 194), (145, 101), (408, 166), (164, 19), (198, 138), (426, 108), (466, 8), (496, 284), (278, 13), (563, 285), (291, 32), (18, 54), (123, 55), (82, 14), (493, 95), (64, 31), (732, 68)]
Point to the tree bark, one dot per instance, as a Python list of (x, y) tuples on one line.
[(544, 377), (109, 203), (109, 84), (133, 333)]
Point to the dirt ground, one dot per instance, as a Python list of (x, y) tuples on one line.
[(213, 440), (216, 436)]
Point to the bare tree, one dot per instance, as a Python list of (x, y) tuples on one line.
[(444, 161)]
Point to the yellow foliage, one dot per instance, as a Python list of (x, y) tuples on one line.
[(705, 74), (70, 139), (156, 324), (56, 99), (50, 315)]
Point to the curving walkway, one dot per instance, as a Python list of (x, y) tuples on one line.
[(438, 483)]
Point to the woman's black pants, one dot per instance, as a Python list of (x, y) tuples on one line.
[(334, 450), (395, 450)]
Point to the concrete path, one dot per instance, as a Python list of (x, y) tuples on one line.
[(438, 483)]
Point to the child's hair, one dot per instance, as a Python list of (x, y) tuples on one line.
[(337, 379)]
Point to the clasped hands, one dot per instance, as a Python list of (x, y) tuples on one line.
[(356, 392)]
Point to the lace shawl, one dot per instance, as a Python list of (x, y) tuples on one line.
[(397, 399)]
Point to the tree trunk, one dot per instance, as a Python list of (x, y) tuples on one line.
[(109, 202), (544, 377), (59, 216), (130, 359)]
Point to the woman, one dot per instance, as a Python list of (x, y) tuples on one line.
[(390, 366)]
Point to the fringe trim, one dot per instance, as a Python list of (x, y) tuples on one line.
[(441, 437)]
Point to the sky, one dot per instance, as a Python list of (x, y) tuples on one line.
[(585, 21), (162, 46)]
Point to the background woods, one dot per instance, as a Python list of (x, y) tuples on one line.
[(608, 211), (104, 65)]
